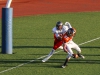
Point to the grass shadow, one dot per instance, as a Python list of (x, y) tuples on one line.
[(90, 47)]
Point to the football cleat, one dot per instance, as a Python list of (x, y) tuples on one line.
[(63, 66), (46, 59), (82, 57), (43, 61)]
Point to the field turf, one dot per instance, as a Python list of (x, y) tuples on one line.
[(33, 40)]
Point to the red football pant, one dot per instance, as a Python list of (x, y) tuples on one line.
[(57, 44)]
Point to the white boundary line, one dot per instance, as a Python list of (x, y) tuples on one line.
[(42, 57)]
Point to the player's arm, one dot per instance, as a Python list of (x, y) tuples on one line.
[(65, 47), (59, 36), (68, 24)]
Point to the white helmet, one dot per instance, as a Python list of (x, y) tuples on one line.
[(59, 23)]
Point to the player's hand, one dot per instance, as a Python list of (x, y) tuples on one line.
[(59, 38)]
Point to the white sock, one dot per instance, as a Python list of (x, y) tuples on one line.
[(51, 53)]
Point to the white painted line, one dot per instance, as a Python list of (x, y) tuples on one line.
[(41, 57), (90, 41)]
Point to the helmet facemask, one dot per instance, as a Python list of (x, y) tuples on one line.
[(70, 32), (59, 25)]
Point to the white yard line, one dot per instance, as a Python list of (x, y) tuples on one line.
[(90, 41), (41, 57)]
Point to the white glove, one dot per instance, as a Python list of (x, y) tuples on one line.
[(68, 24)]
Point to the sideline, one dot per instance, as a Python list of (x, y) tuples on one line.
[(42, 57)]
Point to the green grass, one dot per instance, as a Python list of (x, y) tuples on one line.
[(33, 38)]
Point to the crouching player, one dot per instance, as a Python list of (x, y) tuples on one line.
[(58, 32), (68, 45)]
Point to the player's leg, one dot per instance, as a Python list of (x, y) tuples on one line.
[(57, 43), (48, 56), (67, 60), (65, 63), (70, 54), (77, 48)]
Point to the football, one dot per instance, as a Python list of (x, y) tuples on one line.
[(75, 56)]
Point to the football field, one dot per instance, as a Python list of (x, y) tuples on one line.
[(33, 40)]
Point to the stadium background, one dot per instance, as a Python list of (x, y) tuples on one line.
[(36, 7), (33, 39)]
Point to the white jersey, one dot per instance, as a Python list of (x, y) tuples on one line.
[(57, 32)]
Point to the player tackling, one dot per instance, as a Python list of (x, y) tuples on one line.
[(59, 30)]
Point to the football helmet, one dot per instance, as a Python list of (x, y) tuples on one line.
[(71, 32), (58, 24)]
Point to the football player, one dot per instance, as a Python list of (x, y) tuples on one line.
[(58, 32), (68, 45)]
